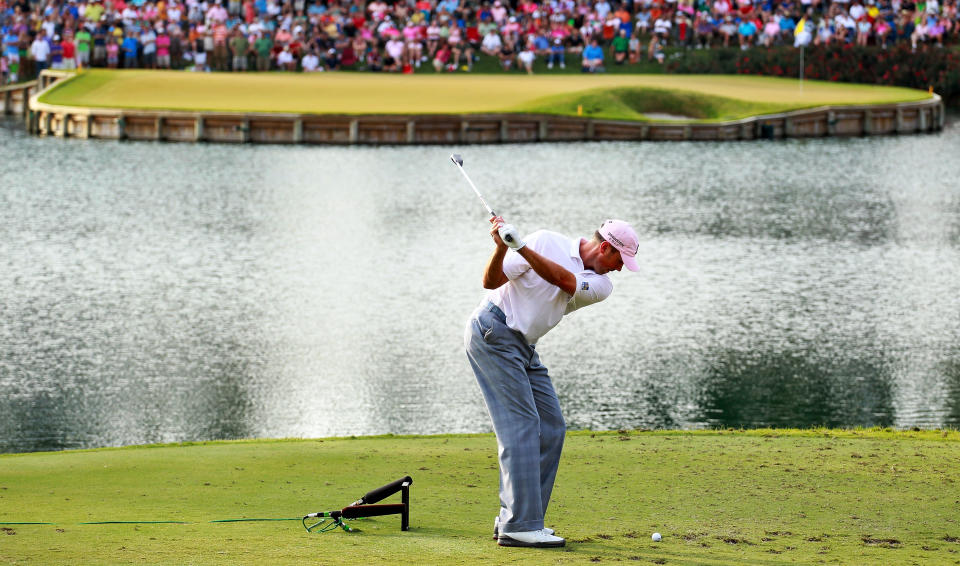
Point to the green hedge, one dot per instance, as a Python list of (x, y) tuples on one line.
[(899, 66)]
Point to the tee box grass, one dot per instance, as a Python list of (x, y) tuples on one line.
[(614, 96), (718, 497)]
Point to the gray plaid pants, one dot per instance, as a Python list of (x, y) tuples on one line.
[(525, 413)]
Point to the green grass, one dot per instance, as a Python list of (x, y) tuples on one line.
[(616, 96), (757, 497)]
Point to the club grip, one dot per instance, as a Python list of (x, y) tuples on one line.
[(508, 238), (330, 514), (357, 511), (385, 491)]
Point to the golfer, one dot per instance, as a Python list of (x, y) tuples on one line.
[(548, 276)]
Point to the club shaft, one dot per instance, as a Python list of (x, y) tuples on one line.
[(474, 187)]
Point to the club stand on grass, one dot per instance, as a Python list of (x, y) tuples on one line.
[(331, 520)]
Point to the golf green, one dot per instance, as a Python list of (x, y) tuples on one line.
[(702, 97)]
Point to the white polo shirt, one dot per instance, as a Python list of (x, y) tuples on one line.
[(532, 305)]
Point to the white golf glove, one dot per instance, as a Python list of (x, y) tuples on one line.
[(510, 236)]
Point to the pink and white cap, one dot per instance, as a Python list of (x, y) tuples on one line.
[(622, 237)]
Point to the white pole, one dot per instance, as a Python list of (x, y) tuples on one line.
[(801, 68)]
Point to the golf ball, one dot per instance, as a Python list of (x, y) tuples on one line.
[(656, 537)]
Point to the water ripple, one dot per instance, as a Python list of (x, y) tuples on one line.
[(161, 292)]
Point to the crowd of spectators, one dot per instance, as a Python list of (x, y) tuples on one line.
[(448, 35)]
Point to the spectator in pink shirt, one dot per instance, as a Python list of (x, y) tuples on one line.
[(882, 29), (935, 30), (395, 52), (441, 61), (771, 29), (113, 53), (163, 48), (216, 13), (378, 10), (283, 36), (498, 13), (412, 35)]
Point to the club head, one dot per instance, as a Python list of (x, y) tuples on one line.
[(456, 158)]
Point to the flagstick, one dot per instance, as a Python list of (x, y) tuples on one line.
[(801, 68)]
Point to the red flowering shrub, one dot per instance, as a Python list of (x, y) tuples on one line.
[(898, 66)]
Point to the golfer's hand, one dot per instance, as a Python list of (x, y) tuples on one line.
[(508, 233), (497, 222), (505, 235)]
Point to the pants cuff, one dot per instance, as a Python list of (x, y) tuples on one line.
[(520, 527)]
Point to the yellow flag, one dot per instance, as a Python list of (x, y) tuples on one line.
[(800, 25)]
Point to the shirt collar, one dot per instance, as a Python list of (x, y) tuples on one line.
[(575, 250)]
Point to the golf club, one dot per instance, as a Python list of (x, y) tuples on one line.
[(458, 161)]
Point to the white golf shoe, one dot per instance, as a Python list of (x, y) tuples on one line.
[(530, 539), (496, 528)]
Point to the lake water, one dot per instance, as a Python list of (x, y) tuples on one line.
[(157, 292)]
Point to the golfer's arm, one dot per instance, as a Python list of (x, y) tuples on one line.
[(493, 275), (551, 271)]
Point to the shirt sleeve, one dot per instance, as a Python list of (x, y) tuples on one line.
[(514, 265), (591, 288)]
